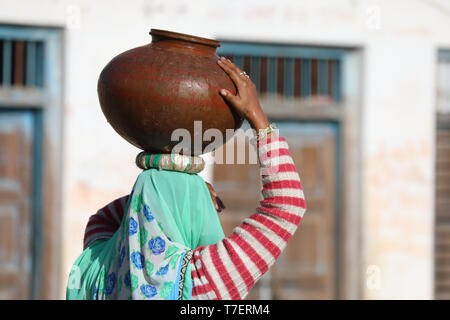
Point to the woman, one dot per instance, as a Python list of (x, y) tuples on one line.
[(203, 264)]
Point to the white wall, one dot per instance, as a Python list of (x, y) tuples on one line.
[(398, 39)]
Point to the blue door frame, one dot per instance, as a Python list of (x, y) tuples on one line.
[(41, 99)]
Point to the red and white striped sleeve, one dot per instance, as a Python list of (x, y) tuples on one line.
[(230, 268), (105, 222)]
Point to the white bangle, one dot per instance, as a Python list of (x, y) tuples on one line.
[(263, 133)]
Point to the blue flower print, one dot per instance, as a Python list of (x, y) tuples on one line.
[(157, 245), (162, 271), (95, 297), (138, 260), (110, 283), (148, 214), (127, 279), (148, 290), (122, 256), (133, 226)]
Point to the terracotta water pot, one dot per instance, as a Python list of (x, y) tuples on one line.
[(149, 91)]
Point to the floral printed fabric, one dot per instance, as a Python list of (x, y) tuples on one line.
[(144, 263), (168, 215), (153, 269)]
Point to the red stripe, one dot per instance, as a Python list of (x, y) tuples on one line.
[(273, 170), (259, 262), (292, 218), (262, 239), (239, 265), (205, 272), (100, 218), (283, 184), (285, 200), (278, 152), (201, 289), (286, 167), (272, 138), (119, 210), (223, 273), (109, 216), (274, 153), (98, 230), (196, 274), (277, 229), (100, 222)]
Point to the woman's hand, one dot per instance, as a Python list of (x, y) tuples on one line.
[(218, 204), (246, 99)]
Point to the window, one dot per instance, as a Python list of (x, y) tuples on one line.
[(21, 63), (294, 78), (290, 73)]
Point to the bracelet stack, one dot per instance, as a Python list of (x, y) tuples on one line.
[(171, 162), (263, 133)]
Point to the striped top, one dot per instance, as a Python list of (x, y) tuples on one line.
[(231, 267)]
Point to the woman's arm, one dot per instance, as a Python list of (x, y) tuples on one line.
[(230, 268), (105, 222)]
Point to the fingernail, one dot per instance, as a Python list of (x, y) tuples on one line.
[(223, 58), (223, 92)]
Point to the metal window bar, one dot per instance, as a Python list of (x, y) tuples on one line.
[(305, 78), (21, 63), (289, 72), (255, 72), (272, 76), (6, 62)]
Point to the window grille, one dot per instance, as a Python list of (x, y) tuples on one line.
[(290, 72), (21, 63)]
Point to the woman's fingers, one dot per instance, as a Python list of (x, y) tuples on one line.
[(234, 72), (213, 196), (229, 96), (233, 75), (235, 69), (244, 78), (220, 204)]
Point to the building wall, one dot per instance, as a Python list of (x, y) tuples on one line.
[(398, 40)]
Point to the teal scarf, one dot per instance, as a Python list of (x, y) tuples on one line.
[(168, 215)]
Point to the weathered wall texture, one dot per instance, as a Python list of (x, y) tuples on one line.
[(398, 40)]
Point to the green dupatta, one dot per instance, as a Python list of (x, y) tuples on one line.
[(168, 215)]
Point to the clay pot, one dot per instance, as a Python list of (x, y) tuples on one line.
[(149, 91)]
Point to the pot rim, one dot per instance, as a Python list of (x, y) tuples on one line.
[(184, 37)]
